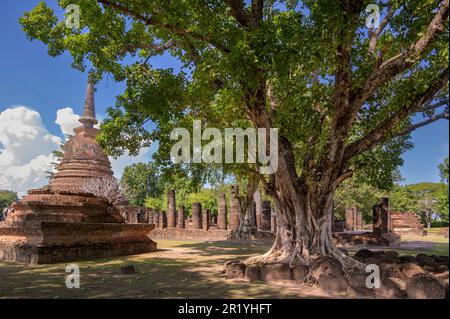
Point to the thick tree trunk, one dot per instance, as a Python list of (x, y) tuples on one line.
[(304, 218)]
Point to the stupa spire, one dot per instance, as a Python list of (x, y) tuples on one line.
[(88, 118)]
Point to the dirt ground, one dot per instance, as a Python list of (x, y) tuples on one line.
[(179, 269)]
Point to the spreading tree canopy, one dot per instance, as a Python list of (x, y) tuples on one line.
[(344, 96)]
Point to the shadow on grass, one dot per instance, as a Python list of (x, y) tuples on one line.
[(157, 277)]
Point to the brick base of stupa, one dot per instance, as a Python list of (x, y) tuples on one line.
[(53, 227)]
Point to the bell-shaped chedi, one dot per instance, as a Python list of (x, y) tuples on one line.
[(61, 222), (83, 157)]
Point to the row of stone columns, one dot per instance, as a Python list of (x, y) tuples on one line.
[(201, 218)]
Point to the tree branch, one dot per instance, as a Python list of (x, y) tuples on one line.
[(434, 118), (401, 62), (238, 12), (375, 34), (257, 12), (152, 21)]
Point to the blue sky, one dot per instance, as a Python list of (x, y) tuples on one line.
[(28, 76)]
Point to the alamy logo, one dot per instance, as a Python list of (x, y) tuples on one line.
[(73, 280), (262, 146), (373, 19), (72, 16), (373, 279)]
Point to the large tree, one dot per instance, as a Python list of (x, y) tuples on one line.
[(345, 97)]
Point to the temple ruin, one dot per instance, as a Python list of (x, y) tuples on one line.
[(61, 222)]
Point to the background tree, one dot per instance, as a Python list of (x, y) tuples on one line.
[(343, 96), (403, 199), (442, 203), (6, 199), (352, 192), (140, 181), (443, 170)]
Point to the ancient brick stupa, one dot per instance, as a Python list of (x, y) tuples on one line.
[(61, 222)]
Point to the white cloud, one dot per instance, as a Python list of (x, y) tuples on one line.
[(26, 148), (67, 120), (119, 164)]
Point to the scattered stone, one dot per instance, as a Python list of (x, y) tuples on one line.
[(325, 265), (436, 269), (357, 282), (128, 270), (364, 254), (410, 269), (390, 270), (228, 262), (299, 272), (235, 270), (278, 271), (331, 282), (253, 273), (391, 288), (425, 286), (425, 260), (442, 260), (391, 256), (407, 259)]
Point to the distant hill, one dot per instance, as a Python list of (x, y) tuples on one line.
[(427, 189)]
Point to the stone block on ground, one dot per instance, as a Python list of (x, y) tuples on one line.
[(235, 269), (410, 269), (273, 272), (391, 288), (325, 265), (331, 282), (425, 260), (128, 270), (299, 272), (425, 286), (390, 270), (253, 273)]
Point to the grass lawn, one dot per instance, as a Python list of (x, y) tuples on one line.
[(179, 269)]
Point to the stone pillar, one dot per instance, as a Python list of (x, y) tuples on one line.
[(156, 219), (266, 213), (235, 208), (180, 219), (258, 208), (359, 220), (162, 219), (151, 215), (196, 216), (386, 226), (222, 212), (351, 218), (206, 215), (377, 220), (171, 208)]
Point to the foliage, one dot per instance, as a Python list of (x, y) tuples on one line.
[(403, 199), (6, 199), (156, 203), (140, 181), (362, 195), (443, 170), (442, 198), (219, 59)]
